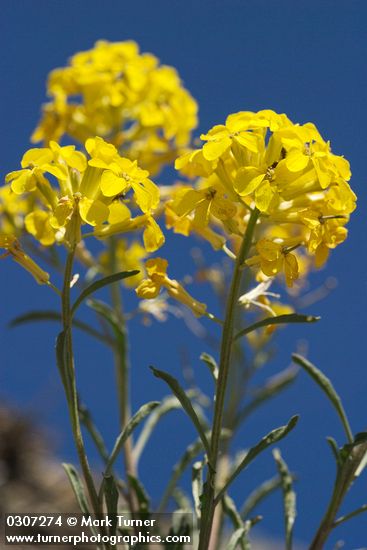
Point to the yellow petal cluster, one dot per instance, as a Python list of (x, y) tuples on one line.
[(287, 171), (125, 96), (70, 190), (157, 279)]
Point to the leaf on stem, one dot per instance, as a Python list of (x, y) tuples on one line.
[(77, 486), (271, 438), (197, 486), (327, 387), (211, 363), (278, 320), (127, 431), (259, 494), (191, 452), (231, 511), (347, 517), (289, 498), (186, 405), (168, 404), (97, 285), (55, 316), (87, 421), (111, 495), (61, 360), (141, 494), (271, 388)]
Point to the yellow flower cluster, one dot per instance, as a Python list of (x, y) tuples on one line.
[(125, 96), (93, 192), (287, 171)]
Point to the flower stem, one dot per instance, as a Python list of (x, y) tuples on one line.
[(121, 357), (224, 365), (70, 388)]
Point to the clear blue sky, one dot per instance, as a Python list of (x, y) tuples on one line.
[(307, 59)]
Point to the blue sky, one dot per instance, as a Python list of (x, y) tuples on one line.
[(305, 59)]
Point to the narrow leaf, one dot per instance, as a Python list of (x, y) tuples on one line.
[(211, 363), (334, 449), (342, 519), (279, 320), (191, 452), (141, 494), (168, 404), (111, 495), (61, 360), (97, 285), (197, 486), (271, 438), (235, 538), (55, 316), (87, 421), (186, 405), (77, 486), (289, 498), (127, 431), (327, 387), (259, 494), (271, 388), (231, 511)]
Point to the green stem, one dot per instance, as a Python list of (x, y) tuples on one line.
[(122, 375), (344, 479), (70, 389), (224, 365)]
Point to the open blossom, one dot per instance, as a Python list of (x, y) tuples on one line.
[(157, 279), (88, 191), (125, 96), (286, 171)]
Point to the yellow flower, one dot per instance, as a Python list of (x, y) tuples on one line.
[(87, 193), (276, 258), (204, 202), (117, 92), (150, 288), (13, 248)]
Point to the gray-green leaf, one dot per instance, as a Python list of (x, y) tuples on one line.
[(271, 438), (327, 387), (289, 498), (186, 405), (279, 320), (77, 486), (97, 285)]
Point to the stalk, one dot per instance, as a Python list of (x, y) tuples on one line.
[(344, 479), (122, 367), (224, 365), (70, 386)]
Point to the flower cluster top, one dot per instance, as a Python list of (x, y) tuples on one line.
[(93, 192), (125, 96), (287, 171), (133, 117)]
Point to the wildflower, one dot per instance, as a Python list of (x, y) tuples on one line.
[(88, 192), (150, 288), (124, 96), (276, 258), (287, 171)]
